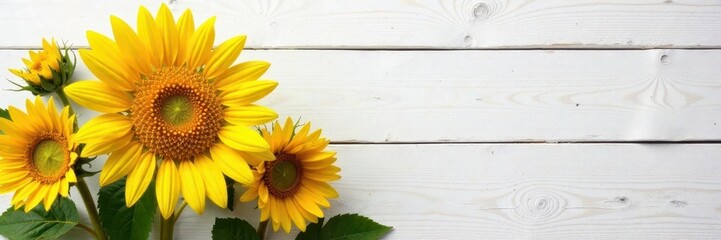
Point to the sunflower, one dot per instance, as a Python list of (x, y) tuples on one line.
[(294, 186), (41, 64), (37, 154), (168, 97)]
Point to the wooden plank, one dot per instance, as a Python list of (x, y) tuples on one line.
[(488, 96), (518, 191), (457, 24)]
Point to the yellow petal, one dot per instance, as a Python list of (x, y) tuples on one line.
[(263, 192), (306, 201), (294, 214), (186, 28), (249, 115), (283, 212), (98, 96), (9, 177), (167, 188), (231, 163), (36, 197), (248, 92), (169, 31), (192, 186), (223, 56), (53, 190), (107, 50), (214, 181), (139, 178), (70, 176), (120, 163), (150, 36), (19, 117), (64, 188), (244, 72), (243, 138), (134, 52), (104, 127), (24, 192), (5, 188), (108, 69), (200, 44), (249, 195), (107, 145)]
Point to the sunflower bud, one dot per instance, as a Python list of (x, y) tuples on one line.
[(47, 70)]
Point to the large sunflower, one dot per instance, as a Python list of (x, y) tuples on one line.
[(37, 154), (294, 186), (168, 97)]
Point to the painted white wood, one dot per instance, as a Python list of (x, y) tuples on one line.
[(517, 191), (487, 96), (454, 24)]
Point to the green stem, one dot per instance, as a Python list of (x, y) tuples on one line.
[(166, 228), (261, 229), (87, 229), (90, 207), (64, 98), (180, 210)]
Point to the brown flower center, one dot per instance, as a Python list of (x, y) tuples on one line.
[(176, 113), (47, 157), (283, 176)]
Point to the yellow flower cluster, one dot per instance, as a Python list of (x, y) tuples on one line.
[(174, 110), (41, 64)]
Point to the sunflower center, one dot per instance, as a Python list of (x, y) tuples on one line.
[(176, 113), (283, 176), (177, 110), (48, 157)]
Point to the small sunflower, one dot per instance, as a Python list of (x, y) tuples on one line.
[(169, 97), (37, 154), (41, 64), (294, 186)]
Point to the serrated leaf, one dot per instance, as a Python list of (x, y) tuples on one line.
[(312, 231), (233, 228), (352, 227), (121, 222), (39, 224)]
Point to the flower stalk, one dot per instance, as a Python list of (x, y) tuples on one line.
[(90, 207)]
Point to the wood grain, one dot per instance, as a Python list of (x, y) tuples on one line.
[(457, 24), (487, 96), (518, 191)]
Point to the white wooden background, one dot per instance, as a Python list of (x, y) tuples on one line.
[(477, 119)]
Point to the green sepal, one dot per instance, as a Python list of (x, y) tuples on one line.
[(233, 228), (38, 223)]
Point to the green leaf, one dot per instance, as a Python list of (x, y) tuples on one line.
[(231, 192), (233, 228), (312, 231), (5, 114), (121, 222), (345, 227), (39, 224)]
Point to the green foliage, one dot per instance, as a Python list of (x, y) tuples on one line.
[(231, 192), (39, 224), (4, 114), (233, 228), (312, 231), (121, 222), (345, 227)]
